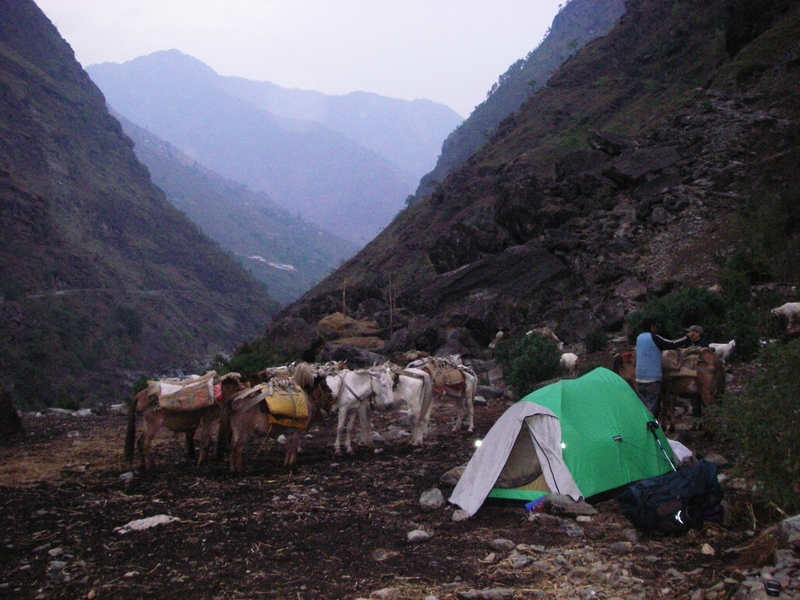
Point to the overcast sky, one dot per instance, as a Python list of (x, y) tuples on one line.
[(449, 51)]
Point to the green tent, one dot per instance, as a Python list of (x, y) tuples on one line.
[(577, 437)]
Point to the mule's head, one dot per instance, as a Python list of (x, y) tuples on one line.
[(322, 396), (383, 387)]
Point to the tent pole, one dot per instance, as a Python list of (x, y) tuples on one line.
[(652, 426)]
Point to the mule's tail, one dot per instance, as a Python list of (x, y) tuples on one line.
[(130, 434)]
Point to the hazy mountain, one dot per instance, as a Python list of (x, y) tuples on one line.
[(101, 278), (576, 24), (409, 134), (304, 166), (285, 252), (661, 156)]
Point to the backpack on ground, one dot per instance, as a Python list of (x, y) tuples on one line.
[(672, 504)]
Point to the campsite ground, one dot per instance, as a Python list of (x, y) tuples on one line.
[(333, 527)]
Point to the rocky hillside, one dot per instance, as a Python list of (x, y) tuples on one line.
[(101, 278), (649, 158), (578, 22), (283, 251)]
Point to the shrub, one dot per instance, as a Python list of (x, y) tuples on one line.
[(743, 327), (677, 311), (763, 422), (596, 340), (527, 360)]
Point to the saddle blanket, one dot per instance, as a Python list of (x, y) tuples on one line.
[(681, 363), (443, 377), (187, 394), (285, 402)]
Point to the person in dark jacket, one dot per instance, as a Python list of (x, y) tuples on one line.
[(649, 346), (695, 333)]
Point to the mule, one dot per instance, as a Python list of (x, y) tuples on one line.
[(449, 378), (701, 378), (250, 411), (414, 388), (354, 392), (701, 384), (154, 417)]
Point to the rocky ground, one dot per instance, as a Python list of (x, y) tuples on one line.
[(338, 527)]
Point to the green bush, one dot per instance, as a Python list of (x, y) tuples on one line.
[(743, 327), (678, 310), (763, 422), (596, 340), (527, 360)]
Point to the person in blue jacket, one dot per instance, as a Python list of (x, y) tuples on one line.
[(649, 346)]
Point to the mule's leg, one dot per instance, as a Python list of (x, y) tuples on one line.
[(470, 413), (292, 447), (365, 421), (418, 430), (460, 412), (140, 450), (238, 438), (190, 451), (340, 429), (224, 434), (205, 439), (151, 425), (351, 420)]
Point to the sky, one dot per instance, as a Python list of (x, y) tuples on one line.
[(448, 51)]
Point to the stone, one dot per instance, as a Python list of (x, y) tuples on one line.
[(431, 499), (386, 594), (418, 535), (789, 532), (502, 545), (558, 504)]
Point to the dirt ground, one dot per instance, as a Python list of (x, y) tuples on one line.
[(332, 527)]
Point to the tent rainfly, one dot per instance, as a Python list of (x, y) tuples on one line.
[(576, 437)]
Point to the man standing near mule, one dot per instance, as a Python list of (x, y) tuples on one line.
[(649, 346)]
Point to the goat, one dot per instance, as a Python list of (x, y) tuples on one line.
[(569, 363), (723, 351), (790, 310), (547, 333)]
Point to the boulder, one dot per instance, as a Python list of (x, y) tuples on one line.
[(610, 143), (293, 336), (634, 164)]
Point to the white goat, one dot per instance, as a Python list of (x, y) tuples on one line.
[(569, 363), (723, 351), (790, 310)]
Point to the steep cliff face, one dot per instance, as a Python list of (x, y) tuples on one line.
[(579, 22), (638, 169), (99, 274)]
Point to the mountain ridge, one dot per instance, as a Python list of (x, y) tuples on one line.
[(282, 251), (101, 277), (302, 165)]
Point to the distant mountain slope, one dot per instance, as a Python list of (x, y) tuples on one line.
[(304, 166), (409, 134), (101, 278), (288, 254), (576, 24)]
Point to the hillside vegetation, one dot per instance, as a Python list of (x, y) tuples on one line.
[(280, 249), (101, 278)]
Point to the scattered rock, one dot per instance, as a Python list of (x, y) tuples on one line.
[(431, 499)]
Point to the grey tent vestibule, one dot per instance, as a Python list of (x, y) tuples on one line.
[(576, 437)]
